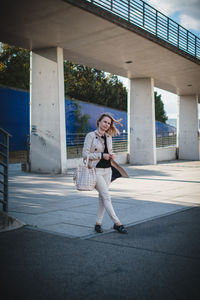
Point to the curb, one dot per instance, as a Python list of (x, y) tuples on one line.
[(9, 223)]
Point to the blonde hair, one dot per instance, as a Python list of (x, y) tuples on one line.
[(112, 129)]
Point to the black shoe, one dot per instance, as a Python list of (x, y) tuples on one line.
[(98, 228), (120, 228)]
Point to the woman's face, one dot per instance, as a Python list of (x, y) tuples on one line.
[(105, 123)]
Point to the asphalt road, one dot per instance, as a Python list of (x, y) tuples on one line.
[(158, 259)]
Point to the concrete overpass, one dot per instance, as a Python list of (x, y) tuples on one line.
[(127, 38)]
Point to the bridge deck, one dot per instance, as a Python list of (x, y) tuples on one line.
[(95, 37)]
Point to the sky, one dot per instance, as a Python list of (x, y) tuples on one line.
[(187, 14)]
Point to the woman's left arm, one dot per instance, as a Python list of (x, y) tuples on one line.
[(110, 149)]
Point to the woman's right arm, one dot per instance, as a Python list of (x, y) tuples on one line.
[(87, 148)]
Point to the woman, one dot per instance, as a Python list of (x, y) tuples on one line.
[(98, 145)]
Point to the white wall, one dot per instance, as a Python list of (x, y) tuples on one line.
[(166, 153)]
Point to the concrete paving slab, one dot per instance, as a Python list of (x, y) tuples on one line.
[(67, 229), (43, 207), (57, 217), (50, 201)]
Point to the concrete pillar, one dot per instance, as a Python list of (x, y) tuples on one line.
[(188, 142), (47, 107), (141, 121)]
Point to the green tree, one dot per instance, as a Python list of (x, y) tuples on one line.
[(82, 124), (95, 86), (160, 113), (14, 66)]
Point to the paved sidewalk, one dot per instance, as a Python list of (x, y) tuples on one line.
[(51, 202)]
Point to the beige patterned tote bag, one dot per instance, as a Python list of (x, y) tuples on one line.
[(85, 178)]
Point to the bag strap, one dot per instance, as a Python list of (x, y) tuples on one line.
[(87, 161)]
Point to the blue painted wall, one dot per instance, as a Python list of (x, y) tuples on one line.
[(94, 111), (14, 117)]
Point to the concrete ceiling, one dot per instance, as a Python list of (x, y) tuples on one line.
[(98, 42)]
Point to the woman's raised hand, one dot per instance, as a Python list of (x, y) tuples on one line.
[(112, 156), (106, 156)]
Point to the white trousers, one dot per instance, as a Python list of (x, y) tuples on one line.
[(103, 182)]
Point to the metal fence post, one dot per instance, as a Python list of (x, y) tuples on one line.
[(129, 10), (143, 14), (4, 162), (195, 45), (156, 22), (178, 36), (5, 205)]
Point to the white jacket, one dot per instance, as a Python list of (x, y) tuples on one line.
[(94, 147)]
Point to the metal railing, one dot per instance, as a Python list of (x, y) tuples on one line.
[(120, 143), (150, 19), (4, 162), (75, 144), (166, 140)]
